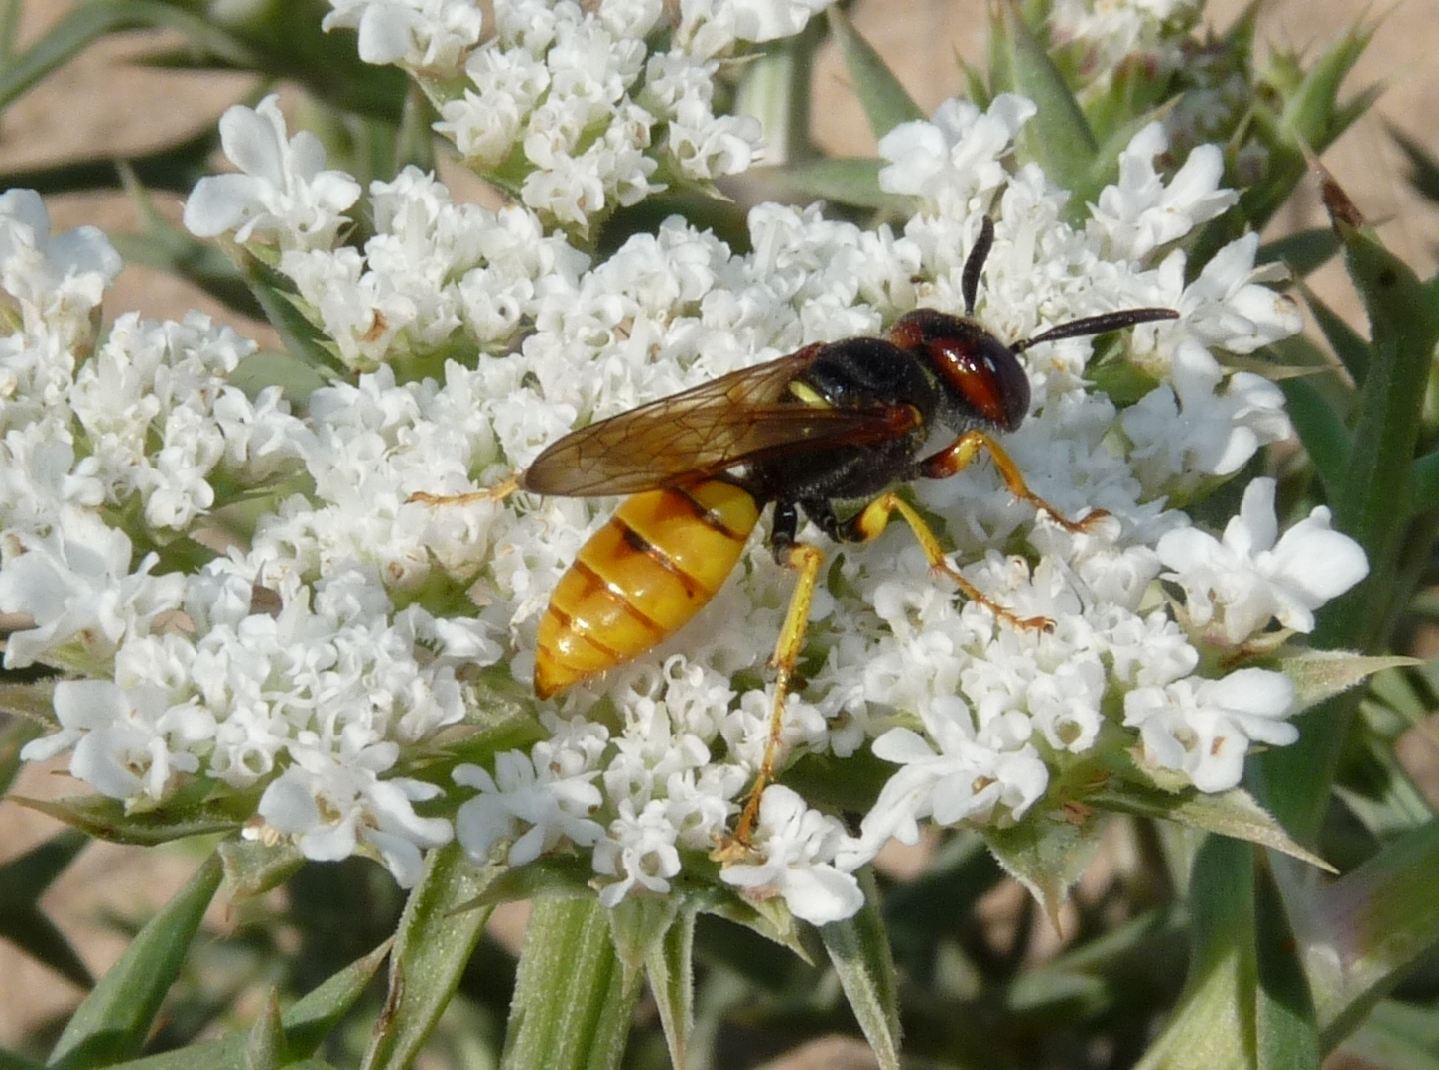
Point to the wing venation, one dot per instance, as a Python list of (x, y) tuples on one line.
[(740, 418)]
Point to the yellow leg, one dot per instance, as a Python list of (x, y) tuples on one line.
[(498, 493), (962, 451), (873, 519), (807, 561)]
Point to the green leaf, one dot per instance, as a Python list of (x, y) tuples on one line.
[(10, 1061), (638, 926), (23, 881), (774, 87), (573, 998), (1369, 927), (1231, 813), (1046, 854), (1372, 507), (296, 379), (106, 818), (1348, 345), (1424, 484), (1214, 1022), (303, 340), (551, 876), (307, 1023), (13, 738), (265, 1047), (432, 946), (1379, 792), (885, 101), (1320, 428), (760, 962), (859, 949), (843, 180), (167, 245), (1309, 112), (87, 23), (670, 971), (1286, 1033), (113, 1021), (1394, 1035), (1058, 138), (1309, 121), (253, 868), (1321, 674), (1423, 168), (1302, 252)]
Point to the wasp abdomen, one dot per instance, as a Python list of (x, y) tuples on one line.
[(641, 577)]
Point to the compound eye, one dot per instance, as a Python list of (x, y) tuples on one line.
[(988, 378)]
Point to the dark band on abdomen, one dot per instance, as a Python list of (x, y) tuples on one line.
[(709, 517)]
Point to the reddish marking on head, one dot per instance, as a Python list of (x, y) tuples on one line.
[(986, 376), (982, 378)]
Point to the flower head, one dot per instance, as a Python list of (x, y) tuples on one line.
[(283, 195), (1238, 584)]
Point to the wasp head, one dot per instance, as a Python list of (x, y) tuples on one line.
[(981, 380)]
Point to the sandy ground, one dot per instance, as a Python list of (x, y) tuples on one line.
[(99, 99)]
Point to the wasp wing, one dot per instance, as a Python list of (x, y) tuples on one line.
[(740, 418)]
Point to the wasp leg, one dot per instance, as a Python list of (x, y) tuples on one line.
[(498, 493), (962, 451), (870, 521), (807, 561)]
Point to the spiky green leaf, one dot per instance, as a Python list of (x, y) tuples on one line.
[(113, 1021), (432, 946)]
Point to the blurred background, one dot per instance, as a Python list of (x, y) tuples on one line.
[(106, 102)]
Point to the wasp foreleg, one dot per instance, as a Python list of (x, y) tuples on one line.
[(959, 454)]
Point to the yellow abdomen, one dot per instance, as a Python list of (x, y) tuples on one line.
[(640, 578)]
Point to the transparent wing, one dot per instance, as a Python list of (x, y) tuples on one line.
[(746, 416)]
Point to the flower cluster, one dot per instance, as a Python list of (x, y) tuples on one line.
[(1112, 31), (580, 108), (331, 631)]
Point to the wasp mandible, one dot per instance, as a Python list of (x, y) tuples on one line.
[(833, 422)]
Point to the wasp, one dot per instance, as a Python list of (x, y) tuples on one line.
[(830, 424)]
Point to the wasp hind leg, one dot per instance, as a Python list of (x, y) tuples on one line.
[(806, 561), (498, 493), (870, 522)]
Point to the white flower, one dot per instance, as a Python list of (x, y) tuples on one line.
[(952, 779), (1242, 582), (1225, 307), (433, 35), (283, 197), (639, 850), (709, 27), (79, 587), (1141, 212), (798, 847), (1149, 651), (127, 745), (1114, 29), (950, 161), (1203, 728), (528, 796), (1200, 425), (56, 279), (332, 808)]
